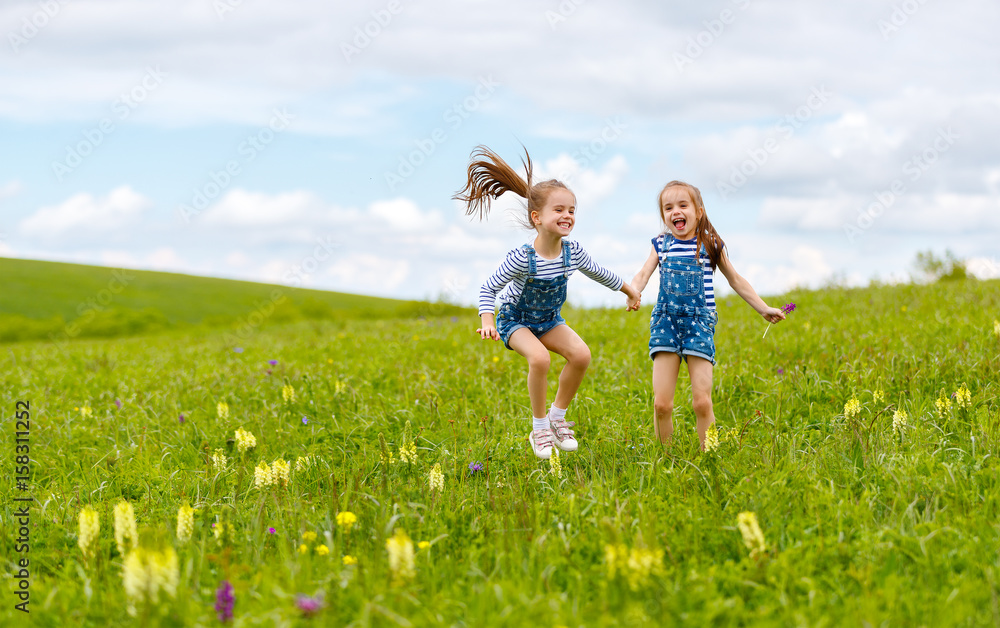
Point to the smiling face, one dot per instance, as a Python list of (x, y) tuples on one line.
[(557, 216), (679, 212)]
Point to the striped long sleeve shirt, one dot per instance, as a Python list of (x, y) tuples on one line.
[(513, 272)]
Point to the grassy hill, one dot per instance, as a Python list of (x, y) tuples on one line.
[(40, 299)]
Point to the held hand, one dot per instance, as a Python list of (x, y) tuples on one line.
[(773, 315), (488, 331), (633, 298)]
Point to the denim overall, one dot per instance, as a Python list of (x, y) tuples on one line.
[(540, 302), (682, 321)]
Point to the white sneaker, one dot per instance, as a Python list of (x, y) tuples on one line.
[(541, 443), (564, 437)]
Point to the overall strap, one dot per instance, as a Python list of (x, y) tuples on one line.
[(531, 259), (566, 257)]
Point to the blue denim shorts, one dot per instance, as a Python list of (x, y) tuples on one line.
[(684, 331), (510, 319)]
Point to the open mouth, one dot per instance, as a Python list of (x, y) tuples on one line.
[(679, 224)]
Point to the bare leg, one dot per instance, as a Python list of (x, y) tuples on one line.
[(567, 343), (700, 370), (525, 343), (665, 368)]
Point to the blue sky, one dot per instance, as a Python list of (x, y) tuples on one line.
[(317, 144)]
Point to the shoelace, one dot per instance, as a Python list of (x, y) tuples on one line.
[(562, 428), (542, 438)]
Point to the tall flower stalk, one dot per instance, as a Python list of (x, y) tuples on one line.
[(787, 309)]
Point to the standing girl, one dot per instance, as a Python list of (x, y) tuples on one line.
[(684, 317), (533, 279)]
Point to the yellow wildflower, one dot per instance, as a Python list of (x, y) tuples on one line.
[(615, 557), (878, 396), (279, 472), (322, 550), (86, 412), (219, 460), (245, 440), (263, 476), (90, 527), (407, 448), (711, 438), (185, 523), (642, 563), (423, 544), (222, 410), (555, 465), (963, 398), (852, 408), (996, 328), (288, 393), (943, 405), (349, 560), (899, 418), (147, 572), (303, 549), (125, 526), (309, 536), (753, 537), (304, 462), (223, 531), (436, 478), (346, 520), (400, 549)]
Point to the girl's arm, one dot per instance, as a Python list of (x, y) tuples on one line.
[(746, 291), (642, 277), (603, 276), (514, 263)]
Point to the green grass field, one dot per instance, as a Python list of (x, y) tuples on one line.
[(59, 302), (862, 523)]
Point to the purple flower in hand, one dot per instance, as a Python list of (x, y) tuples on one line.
[(789, 308), (224, 601)]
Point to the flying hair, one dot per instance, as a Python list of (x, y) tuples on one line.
[(489, 177), (705, 232)]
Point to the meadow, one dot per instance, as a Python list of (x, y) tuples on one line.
[(390, 482)]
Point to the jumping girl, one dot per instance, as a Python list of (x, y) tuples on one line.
[(684, 317), (533, 279)]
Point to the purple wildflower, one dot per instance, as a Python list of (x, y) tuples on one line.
[(224, 601), (181, 418), (309, 605), (781, 371), (272, 362), (788, 309), (305, 420), (475, 466), (238, 349), (118, 403), (270, 530)]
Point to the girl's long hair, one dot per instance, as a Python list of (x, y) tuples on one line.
[(489, 176), (705, 232)]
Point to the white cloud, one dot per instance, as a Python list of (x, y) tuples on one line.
[(85, 214), (10, 189), (241, 208)]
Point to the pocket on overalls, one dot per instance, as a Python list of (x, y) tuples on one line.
[(683, 283)]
